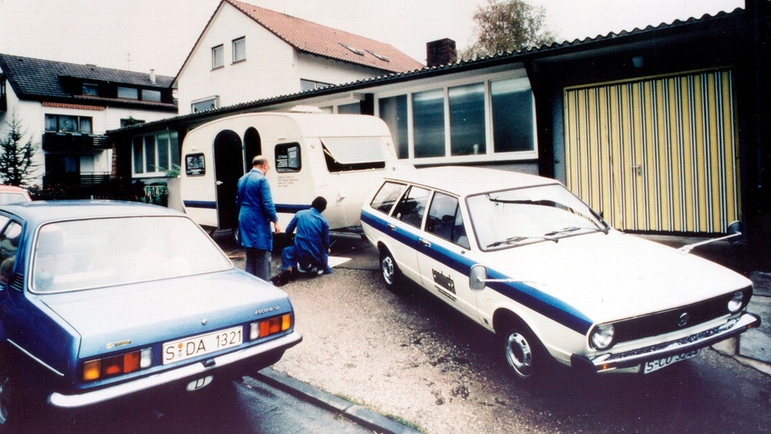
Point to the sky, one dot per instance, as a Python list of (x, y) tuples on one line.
[(140, 35)]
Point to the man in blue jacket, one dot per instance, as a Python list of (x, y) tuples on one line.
[(310, 250), (256, 212)]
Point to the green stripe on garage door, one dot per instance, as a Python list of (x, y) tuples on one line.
[(658, 154)]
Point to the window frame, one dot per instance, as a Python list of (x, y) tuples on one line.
[(141, 167), (447, 158), (218, 55), (79, 122), (234, 44)]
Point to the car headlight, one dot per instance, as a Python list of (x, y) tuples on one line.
[(738, 301), (601, 337)]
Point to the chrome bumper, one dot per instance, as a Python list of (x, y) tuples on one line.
[(636, 357), (190, 371)]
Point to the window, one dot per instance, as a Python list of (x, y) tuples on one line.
[(206, 104), (9, 240), (346, 154), (128, 92), (467, 119), (412, 206), (288, 158), (155, 154), (217, 57), (68, 124), (387, 196), (428, 123), (195, 165), (151, 95), (513, 125), (239, 50), (312, 85), (349, 109), (90, 89), (394, 112), (445, 220)]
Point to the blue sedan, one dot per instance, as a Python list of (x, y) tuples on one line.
[(101, 300)]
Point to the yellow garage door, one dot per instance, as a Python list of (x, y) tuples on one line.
[(658, 154)]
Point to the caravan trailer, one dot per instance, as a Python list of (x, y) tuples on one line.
[(340, 157)]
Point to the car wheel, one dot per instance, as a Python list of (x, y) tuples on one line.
[(7, 401), (523, 352), (389, 269)]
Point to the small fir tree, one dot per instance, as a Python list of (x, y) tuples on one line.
[(16, 156)]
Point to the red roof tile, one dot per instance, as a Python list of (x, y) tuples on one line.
[(313, 38)]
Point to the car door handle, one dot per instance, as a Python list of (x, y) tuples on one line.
[(219, 183), (424, 242), (391, 226)]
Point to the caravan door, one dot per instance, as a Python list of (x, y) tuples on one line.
[(228, 168)]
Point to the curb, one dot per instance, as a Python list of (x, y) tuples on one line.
[(327, 401)]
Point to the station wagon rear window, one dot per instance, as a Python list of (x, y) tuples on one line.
[(83, 254), (354, 153), (387, 196)]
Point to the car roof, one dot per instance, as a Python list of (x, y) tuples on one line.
[(465, 181), (38, 212), (11, 188)]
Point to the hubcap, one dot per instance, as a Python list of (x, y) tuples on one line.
[(3, 400), (387, 265), (519, 355)]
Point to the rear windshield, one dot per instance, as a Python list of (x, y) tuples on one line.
[(93, 253)]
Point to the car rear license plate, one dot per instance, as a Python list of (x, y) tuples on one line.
[(202, 344), (655, 365)]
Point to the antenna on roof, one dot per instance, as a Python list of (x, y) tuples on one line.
[(128, 61)]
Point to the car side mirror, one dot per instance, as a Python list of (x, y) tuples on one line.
[(477, 277)]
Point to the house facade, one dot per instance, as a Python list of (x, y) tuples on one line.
[(247, 53), (660, 129), (66, 109)]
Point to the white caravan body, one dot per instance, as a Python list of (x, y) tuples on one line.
[(340, 157)]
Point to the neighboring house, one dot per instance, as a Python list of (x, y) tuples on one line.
[(66, 109), (247, 53), (661, 129)]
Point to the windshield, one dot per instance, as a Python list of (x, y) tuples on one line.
[(93, 253), (544, 213)]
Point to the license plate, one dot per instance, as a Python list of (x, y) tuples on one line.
[(202, 344), (655, 365)]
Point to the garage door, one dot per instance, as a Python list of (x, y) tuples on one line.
[(656, 155)]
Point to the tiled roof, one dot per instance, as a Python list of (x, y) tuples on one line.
[(40, 79), (313, 38), (691, 24)]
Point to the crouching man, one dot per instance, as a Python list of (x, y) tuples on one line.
[(310, 251)]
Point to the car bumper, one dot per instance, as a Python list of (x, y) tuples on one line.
[(195, 370), (635, 358)]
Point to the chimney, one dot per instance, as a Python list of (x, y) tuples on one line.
[(152, 76), (441, 52)]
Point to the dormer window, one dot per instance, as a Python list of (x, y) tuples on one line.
[(128, 92), (90, 89)]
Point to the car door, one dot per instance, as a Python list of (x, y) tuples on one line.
[(443, 254), (405, 227)]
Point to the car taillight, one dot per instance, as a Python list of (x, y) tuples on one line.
[(105, 367), (270, 326)]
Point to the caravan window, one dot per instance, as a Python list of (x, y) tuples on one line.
[(288, 158), (354, 153)]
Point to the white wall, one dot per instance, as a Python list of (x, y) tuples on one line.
[(272, 67)]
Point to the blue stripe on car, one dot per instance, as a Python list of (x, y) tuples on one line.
[(520, 292)]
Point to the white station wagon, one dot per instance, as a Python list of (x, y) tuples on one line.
[(526, 259)]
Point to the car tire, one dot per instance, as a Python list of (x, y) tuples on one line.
[(389, 270), (525, 356)]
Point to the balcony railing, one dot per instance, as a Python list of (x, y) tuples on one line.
[(74, 142)]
